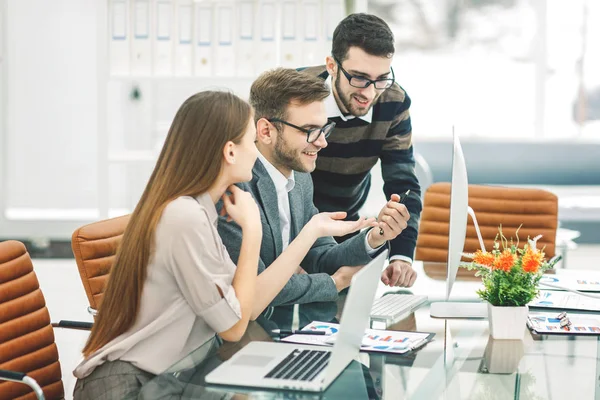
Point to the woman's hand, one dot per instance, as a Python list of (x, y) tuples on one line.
[(332, 224), (241, 207)]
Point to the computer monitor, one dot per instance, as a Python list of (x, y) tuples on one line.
[(459, 208)]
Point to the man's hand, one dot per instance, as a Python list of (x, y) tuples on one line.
[(393, 219), (343, 277), (399, 273), (333, 224)]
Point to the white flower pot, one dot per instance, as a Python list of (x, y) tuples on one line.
[(507, 322)]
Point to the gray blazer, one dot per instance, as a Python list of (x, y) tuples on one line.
[(322, 260)]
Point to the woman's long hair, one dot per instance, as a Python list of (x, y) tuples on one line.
[(189, 163)]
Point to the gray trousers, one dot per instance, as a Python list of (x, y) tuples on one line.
[(112, 380)]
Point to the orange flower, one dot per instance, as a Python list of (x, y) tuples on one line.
[(505, 261), (483, 258), (532, 259)]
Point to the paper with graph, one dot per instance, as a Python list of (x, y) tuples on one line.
[(374, 340), (580, 324), (584, 281), (565, 301)]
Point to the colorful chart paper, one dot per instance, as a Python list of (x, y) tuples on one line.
[(373, 340), (547, 322)]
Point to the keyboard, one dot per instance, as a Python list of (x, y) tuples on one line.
[(393, 307), (300, 365)]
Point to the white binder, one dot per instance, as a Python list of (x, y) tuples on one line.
[(118, 29), (291, 41), (141, 46), (312, 47), (224, 64), (203, 49), (184, 50), (163, 38), (267, 38), (333, 13), (246, 32)]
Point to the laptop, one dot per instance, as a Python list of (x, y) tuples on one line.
[(304, 367)]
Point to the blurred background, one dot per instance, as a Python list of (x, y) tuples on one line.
[(88, 89)]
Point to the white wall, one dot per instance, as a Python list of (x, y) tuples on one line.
[(2, 96), (74, 145), (51, 116)]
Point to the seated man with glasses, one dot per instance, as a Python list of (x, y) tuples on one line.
[(291, 129), (372, 119)]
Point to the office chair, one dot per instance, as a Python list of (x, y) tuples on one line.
[(423, 172), (535, 209), (28, 354), (94, 247)]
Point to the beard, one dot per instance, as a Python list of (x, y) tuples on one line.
[(346, 99), (287, 157)]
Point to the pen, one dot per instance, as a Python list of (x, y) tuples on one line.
[(296, 332), (419, 343), (402, 198)]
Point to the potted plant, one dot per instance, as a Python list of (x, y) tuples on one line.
[(510, 278)]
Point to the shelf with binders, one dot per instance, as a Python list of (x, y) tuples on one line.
[(189, 78), (160, 52), (186, 39)]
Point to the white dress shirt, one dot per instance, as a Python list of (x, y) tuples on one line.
[(283, 186), (332, 110)]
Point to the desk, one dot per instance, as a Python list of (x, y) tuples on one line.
[(462, 362)]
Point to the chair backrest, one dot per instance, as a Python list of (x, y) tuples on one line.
[(423, 172), (26, 335), (95, 246), (535, 209)]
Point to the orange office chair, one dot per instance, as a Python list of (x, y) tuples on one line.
[(28, 354), (535, 209), (95, 246)]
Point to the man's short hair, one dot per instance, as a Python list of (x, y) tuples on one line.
[(274, 90), (366, 31)]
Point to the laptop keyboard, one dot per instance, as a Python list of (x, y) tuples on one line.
[(391, 306), (300, 365)]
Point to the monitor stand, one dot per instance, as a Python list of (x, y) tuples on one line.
[(446, 309)]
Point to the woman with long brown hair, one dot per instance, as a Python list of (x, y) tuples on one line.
[(173, 285)]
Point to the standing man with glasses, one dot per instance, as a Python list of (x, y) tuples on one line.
[(371, 112), (291, 129)]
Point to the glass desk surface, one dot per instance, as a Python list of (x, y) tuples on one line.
[(462, 361)]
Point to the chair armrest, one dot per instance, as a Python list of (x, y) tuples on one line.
[(22, 378), (86, 326)]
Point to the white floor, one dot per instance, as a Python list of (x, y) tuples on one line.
[(66, 299)]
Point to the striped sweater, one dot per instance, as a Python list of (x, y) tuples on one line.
[(342, 178)]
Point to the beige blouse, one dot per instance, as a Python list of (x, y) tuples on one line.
[(181, 307)]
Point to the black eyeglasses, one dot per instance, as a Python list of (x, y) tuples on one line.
[(362, 82), (311, 134)]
